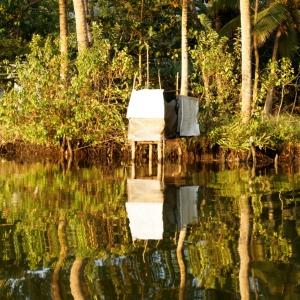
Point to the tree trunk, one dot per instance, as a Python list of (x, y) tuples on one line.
[(193, 10), (184, 50), (268, 107), (246, 60), (243, 248), (81, 26), (256, 56), (88, 17), (218, 21), (63, 29)]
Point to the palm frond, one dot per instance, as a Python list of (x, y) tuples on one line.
[(289, 41), (269, 20), (205, 21), (229, 29)]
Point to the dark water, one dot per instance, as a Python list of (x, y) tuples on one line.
[(149, 232)]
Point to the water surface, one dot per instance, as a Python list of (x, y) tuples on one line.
[(119, 231)]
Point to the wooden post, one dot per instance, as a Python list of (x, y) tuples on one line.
[(150, 151), (150, 159), (159, 171), (133, 170), (147, 84), (133, 150), (163, 151), (159, 151), (177, 78)]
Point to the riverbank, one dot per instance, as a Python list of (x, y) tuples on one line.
[(192, 151)]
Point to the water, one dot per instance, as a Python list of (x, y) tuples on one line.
[(199, 231)]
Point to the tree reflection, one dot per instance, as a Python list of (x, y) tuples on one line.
[(57, 295), (76, 279), (181, 264), (243, 248)]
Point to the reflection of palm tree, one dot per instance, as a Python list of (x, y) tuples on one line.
[(243, 248), (63, 253), (76, 279), (181, 264)]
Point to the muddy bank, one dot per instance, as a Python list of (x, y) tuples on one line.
[(190, 152)]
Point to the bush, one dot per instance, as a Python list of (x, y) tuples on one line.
[(88, 107)]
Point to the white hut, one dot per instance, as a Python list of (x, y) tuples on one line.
[(152, 120)]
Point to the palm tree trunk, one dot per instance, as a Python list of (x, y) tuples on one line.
[(246, 60), (88, 16), (81, 27), (184, 50), (194, 13), (268, 107), (256, 56), (63, 29)]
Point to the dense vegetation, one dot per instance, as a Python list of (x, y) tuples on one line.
[(81, 101)]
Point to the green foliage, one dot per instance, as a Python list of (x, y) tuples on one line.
[(266, 133), (216, 72), (89, 107), (276, 75)]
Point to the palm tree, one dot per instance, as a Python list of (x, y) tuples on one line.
[(282, 19), (246, 60), (63, 28), (184, 50), (81, 26)]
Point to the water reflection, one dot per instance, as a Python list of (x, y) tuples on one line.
[(155, 208), (148, 232)]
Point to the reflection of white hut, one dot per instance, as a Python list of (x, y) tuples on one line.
[(187, 205), (149, 206), (145, 209)]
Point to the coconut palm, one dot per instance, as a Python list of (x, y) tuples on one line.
[(279, 20), (63, 29), (246, 60), (282, 19), (184, 49), (81, 26)]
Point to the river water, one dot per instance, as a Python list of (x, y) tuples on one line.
[(121, 231)]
